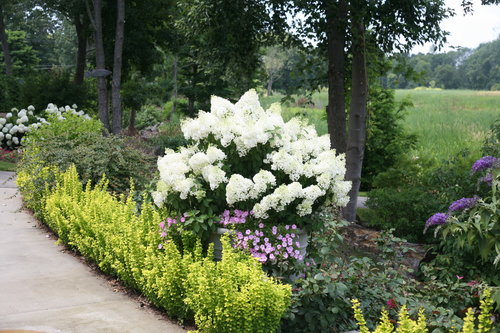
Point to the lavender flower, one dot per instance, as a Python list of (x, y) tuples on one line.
[(438, 218), (462, 204), (484, 163)]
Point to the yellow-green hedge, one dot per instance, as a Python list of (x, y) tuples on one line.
[(233, 295)]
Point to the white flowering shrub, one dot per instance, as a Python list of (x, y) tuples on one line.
[(17, 123), (245, 157)]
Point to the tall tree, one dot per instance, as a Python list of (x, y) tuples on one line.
[(102, 87), (5, 44), (117, 68), (394, 24)]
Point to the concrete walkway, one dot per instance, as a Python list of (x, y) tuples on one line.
[(43, 289)]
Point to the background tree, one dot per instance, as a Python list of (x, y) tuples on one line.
[(394, 25), (274, 61), (5, 44)]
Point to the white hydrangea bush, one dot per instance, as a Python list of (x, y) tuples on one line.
[(246, 157), (17, 123)]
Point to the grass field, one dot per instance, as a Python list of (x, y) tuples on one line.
[(446, 121)]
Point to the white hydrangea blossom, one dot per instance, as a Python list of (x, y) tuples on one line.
[(198, 161), (238, 189), (214, 154), (18, 122), (262, 180), (341, 190), (292, 148), (214, 176)]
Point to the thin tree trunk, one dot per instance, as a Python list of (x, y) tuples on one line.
[(5, 45), (336, 115), (116, 101), (81, 61), (270, 86), (357, 116), (174, 91), (191, 106), (102, 89)]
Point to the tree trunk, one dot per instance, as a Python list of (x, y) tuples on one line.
[(357, 116), (5, 45), (102, 88), (336, 115), (81, 54), (116, 101), (270, 87), (174, 91), (191, 106)]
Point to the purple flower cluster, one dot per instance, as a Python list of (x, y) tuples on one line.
[(170, 222), (484, 163), (239, 217), (438, 218), (462, 204), (270, 247), (488, 179)]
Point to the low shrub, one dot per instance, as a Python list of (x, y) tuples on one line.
[(234, 295), (17, 123), (108, 231), (410, 192), (469, 230), (321, 298), (75, 140), (407, 325)]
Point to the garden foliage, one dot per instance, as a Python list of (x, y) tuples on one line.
[(470, 229), (108, 231), (71, 139), (414, 188), (407, 325), (244, 157), (17, 123)]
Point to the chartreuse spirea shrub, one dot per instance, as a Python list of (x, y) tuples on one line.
[(407, 325), (247, 158), (233, 295), (109, 231)]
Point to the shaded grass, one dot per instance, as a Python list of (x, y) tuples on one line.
[(7, 166)]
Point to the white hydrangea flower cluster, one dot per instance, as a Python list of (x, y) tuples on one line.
[(292, 148), (18, 122), (180, 172)]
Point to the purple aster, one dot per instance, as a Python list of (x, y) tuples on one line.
[(462, 204), (438, 218), (484, 163)]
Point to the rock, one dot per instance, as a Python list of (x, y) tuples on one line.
[(362, 240)]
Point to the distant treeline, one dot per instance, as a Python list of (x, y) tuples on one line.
[(463, 68)]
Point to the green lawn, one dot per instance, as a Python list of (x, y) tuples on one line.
[(6, 166), (446, 121)]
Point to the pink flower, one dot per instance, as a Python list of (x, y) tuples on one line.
[(459, 277), (391, 303), (472, 283), (160, 246)]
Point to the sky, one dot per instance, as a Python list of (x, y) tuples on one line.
[(483, 25)]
